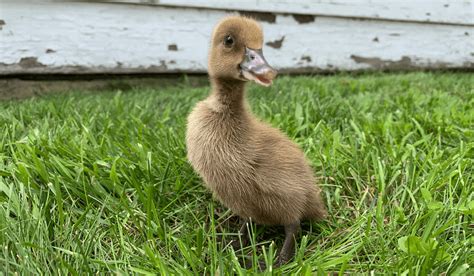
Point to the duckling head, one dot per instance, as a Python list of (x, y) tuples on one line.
[(236, 52)]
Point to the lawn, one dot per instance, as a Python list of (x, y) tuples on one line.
[(93, 183)]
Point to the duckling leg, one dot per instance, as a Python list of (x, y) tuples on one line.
[(288, 249), (243, 234)]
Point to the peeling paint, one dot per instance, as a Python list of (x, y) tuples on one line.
[(83, 70), (2, 23), (303, 18), (160, 67), (306, 58), (260, 16), (172, 47), (30, 62), (276, 43), (49, 51), (376, 39), (375, 62), (404, 63)]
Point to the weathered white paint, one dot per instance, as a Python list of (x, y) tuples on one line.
[(115, 38), (443, 11)]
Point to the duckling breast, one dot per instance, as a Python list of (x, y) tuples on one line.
[(219, 148)]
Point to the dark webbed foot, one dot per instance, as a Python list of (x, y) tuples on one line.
[(286, 253), (288, 249)]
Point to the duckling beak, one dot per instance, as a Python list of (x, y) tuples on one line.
[(255, 67)]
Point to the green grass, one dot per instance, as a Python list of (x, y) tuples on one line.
[(93, 183)]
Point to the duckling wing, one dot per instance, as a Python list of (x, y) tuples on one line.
[(281, 165)]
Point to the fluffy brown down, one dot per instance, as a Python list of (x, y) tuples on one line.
[(251, 167)]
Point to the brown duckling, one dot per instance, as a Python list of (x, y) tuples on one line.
[(251, 167)]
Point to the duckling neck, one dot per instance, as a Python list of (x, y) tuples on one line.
[(228, 93)]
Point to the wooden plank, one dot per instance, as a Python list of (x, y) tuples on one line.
[(439, 11), (84, 38)]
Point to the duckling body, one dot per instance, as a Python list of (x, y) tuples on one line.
[(250, 167)]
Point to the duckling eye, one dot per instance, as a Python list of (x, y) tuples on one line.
[(228, 41)]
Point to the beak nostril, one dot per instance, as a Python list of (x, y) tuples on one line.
[(255, 67)]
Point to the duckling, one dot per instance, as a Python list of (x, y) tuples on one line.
[(250, 167)]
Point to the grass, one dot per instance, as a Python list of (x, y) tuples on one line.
[(93, 183)]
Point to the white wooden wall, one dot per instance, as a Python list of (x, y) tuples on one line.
[(173, 35)]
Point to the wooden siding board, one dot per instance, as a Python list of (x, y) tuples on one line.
[(440, 11), (84, 38)]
